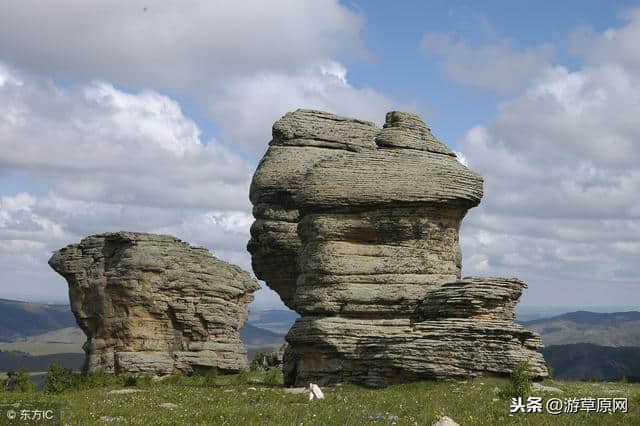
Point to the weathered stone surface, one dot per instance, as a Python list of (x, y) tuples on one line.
[(445, 421), (152, 303), (357, 230), (407, 130), (378, 351)]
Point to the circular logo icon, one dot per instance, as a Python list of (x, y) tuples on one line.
[(11, 414)]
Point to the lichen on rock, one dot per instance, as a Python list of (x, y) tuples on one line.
[(154, 304), (357, 229)]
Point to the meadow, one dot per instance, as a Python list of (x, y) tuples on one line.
[(258, 398)]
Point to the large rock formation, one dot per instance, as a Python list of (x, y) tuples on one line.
[(357, 230), (152, 303)]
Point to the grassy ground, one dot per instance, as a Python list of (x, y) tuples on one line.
[(248, 400)]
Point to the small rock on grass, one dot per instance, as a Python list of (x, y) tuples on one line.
[(296, 391), (111, 419), (376, 417), (168, 405), (537, 387), (123, 391), (445, 421)]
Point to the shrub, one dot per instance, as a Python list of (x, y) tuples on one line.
[(273, 377), (210, 376), (242, 378), (19, 381), (60, 379), (206, 375), (97, 379), (519, 382), (128, 380), (3, 385)]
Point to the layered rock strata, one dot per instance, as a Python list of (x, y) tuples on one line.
[(357, 230), (154, 304)]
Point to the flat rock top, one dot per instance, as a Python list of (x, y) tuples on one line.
[(321, 160), (153, 252), (305, 127)]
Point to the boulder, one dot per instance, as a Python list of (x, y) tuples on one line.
[(357, 229), (154, 304)]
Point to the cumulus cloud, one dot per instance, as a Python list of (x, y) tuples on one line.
[(498, 66), (243, 64), (614, 45), (98, 143), (249, 106), (207, 40), (560, 163)]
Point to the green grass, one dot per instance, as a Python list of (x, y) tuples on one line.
[(224, 400)]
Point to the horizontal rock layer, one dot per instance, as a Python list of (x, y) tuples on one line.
[(152, 303), (477, 338)]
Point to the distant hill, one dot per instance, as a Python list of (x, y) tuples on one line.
[(275, 320), (20, 319), (586, 361), (11, 361), (63, 340), (68, 335), (256, 336), (257, 339), (604, 329)]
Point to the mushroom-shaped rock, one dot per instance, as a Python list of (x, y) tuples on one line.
[(152, 303), (357, 229)]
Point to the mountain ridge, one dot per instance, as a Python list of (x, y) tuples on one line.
[(615, 329)]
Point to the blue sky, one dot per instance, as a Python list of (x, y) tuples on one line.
[(399, 67), (152, 117)]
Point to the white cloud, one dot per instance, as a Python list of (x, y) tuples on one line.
[(496, 66), (614, 45), (249, 106), (244, 64), (98, 143), (561, 169), (175, 44)]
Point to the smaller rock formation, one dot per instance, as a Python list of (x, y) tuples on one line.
[(275, 358), (152, 303)]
